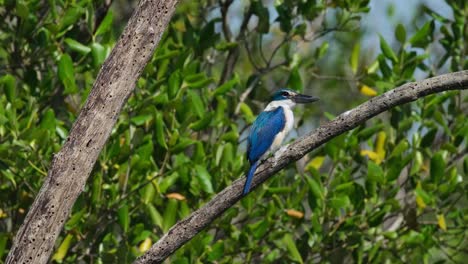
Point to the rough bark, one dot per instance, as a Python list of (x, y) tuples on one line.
[(186, 229), (71, 167)]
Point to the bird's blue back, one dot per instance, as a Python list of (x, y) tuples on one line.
[(267, 125)]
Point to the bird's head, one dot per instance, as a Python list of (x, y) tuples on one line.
[(293, 97)]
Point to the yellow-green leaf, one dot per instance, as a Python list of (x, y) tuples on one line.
[(367, 91), (441, 222), (145, 245), (63, 248), (292, 248), (354, 60), (316, 162)]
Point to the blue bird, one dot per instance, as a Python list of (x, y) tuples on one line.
[(271, 127)]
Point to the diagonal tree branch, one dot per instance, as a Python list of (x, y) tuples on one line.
[(71, 167), (186, 229)]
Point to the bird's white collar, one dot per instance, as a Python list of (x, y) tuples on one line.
[(284, 103)]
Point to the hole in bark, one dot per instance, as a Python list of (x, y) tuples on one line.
[(89, 142)]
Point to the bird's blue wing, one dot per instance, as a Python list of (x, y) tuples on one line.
[(263, 132)]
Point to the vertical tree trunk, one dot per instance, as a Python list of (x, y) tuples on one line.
[(71, 167)]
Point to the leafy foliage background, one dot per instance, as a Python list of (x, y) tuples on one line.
[(393, 190)]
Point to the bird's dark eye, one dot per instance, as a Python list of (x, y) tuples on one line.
[(285, 94)]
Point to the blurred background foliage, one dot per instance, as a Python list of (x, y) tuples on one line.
[(393, 190)]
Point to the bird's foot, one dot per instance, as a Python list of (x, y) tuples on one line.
[(278, 153)]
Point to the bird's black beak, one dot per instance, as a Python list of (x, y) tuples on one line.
[(304, 99)]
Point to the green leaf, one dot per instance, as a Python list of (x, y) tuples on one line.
[(159, 130), (426, 197), (155, 216), (354, 60), (387, 50), (200, 84), (228, 155), (292, 248), (400, 33), (70, 17), (247, 113), (339, 202), (63, 249), (106, 24), (48, 120), (3, 243), (191, 78), (174, 84), (124, 217), (168, 181), (77, 46), (295, 81), (10, 176), (315, 187), (96, 189), (375, 172), (182, 145), (197, 104), (9, 86), (170, 213), (259, 229), (322, 50), (202, 123), (204, 178), (437, 167), (227, 86), (75, 219), (216, 252), (400, 148), (219, 154), (22, 10), (231, 136), (98, 53), (225, 46), (367, 132), (66, 73), (199, 153), (423, 36), (384, 68), (141, 119), (148, 193)]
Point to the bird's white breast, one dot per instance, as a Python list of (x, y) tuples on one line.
[(289, 117)]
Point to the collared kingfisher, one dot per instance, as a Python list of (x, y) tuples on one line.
[(271, 127)]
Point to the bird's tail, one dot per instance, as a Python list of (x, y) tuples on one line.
[(250, 175)]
